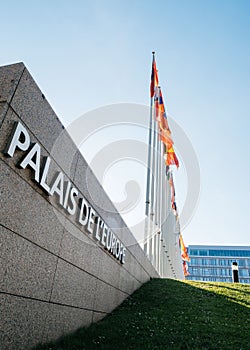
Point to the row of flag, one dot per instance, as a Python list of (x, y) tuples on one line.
[(160, 114)]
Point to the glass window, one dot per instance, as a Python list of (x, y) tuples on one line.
[(194, 261), (243, 272), (241, 262), (203, 252), (204, 261), (247, 262), (193, 252), (224, 252)]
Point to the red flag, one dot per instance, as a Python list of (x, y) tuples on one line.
[(154, 78)]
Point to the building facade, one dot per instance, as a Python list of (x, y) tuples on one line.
[(214, 263)]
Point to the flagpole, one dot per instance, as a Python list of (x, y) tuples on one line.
[(153, 198), (149, 154), (157, 175), (153, 185), (147, 233), (157, 191)]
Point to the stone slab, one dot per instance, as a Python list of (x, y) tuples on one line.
[(25, 269), (79, 249), (32, 107), (73, 286), (25, 211), (9, 79), (110, 270), (98, 316), (143, 261), (135, 269), (3, 111), (127, 282), (22, 322), (63, 320), (107, 297)]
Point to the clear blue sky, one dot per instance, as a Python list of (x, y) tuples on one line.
[(85, 54)]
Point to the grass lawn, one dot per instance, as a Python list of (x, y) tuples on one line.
[(170, 314)]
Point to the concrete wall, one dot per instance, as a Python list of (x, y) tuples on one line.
[(54, 276)]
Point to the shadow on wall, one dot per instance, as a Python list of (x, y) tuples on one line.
[(169, 314)]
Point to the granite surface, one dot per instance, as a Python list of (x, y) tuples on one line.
[(111, 296), (73, 287), (24, 211), (9, 78), (3, 110), (22, 322), (54, 276), (25, 269), (61, 319), (80, 250)]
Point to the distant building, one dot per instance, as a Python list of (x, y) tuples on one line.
[(214, 263)]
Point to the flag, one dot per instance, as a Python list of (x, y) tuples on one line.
[(156, 102), (154, 78), (171, 184), (162, 111), (185, 269), (171, 158), (161, 117), (184, 253), (166, 138), (160, 107), (164, 130)]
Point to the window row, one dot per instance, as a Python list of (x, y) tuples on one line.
[(219, 252), (217, 271), (219, 262)]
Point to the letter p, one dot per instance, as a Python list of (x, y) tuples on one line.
[(20, 139)]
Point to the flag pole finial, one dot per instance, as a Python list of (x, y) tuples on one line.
[(153, 52)]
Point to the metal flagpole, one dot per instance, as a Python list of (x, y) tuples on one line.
[(153, 185), (149, 180), (159, 178), (153, 190), (157, 191), (149, 158), (154, 168), (149, 151), (157, 171)]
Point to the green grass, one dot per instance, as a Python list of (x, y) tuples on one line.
[(170, 314)]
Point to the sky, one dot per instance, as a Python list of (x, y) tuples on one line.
[(89, 54)]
